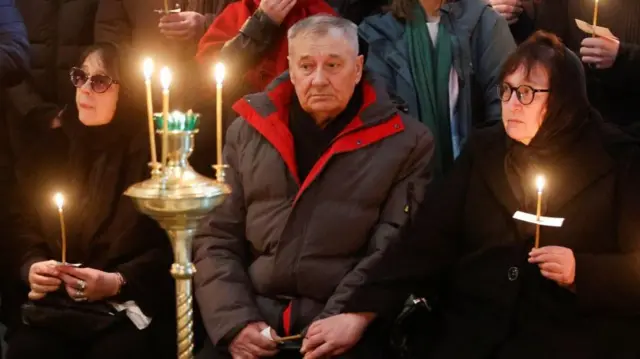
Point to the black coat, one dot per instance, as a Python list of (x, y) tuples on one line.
[(58, 32), (104, 229), (611, 91), (467, 253)]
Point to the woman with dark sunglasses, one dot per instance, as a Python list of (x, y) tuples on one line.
[(117, 303), (493, 294)]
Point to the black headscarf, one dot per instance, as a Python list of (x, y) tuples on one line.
[(96, 169), (567, 116)]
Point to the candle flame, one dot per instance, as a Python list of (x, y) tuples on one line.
[(540, 182), (148, 68), (165, 78), (59, 200), (219, 73)]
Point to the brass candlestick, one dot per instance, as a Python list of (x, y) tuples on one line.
[(178, 200)]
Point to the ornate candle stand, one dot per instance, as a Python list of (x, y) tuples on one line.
[(178, 198)]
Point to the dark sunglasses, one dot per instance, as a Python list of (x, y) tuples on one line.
[(525, 94), (99, 83)]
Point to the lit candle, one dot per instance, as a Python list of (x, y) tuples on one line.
[(595, 18), (165, 78), (540, 182), (148, 71), (219, 76), (59, 201)]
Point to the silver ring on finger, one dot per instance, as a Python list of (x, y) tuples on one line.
[(82, 285)]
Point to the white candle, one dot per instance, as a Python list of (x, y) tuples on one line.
[(595, 18), (148, 71), (165, 79), (59, 201), (540, 182), (219, 72)]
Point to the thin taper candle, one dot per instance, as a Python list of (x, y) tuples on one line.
[(540, 185), (59, 200), (595, 18), (219, 73), (148, 71), (165, 78)]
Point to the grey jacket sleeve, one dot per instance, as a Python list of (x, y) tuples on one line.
[(403, 198), (222, 285), (492, 47)]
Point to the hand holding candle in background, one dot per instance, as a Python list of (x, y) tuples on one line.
[(509, 9), (600, 52), (185, 25)]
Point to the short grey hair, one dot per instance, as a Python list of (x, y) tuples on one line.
[(324, 24)]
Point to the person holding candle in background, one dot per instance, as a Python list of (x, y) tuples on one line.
[(493, 295), (249, 38), (120, 299), (141, 29), (612, 65)]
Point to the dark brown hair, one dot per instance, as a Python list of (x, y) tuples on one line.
[(109, 56), (568, 102)]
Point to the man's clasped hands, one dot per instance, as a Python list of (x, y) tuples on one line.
[(325, 338)]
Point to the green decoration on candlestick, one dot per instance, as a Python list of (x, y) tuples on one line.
[(178, 121)]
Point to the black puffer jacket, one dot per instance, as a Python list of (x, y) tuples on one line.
[(58, 31)]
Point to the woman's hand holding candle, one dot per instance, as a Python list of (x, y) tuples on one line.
[(89, 284), (556, 263), (43, 279)]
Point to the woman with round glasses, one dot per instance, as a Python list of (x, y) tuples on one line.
[(113, 297), (495, 296)]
